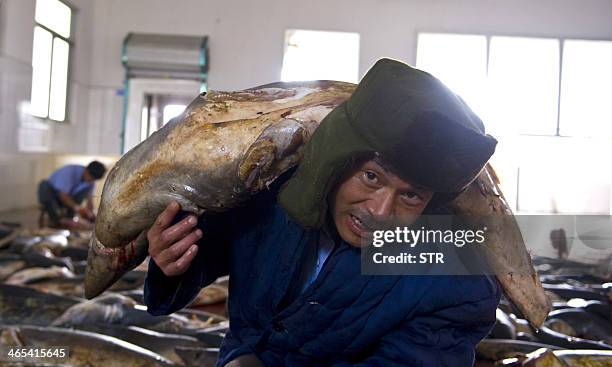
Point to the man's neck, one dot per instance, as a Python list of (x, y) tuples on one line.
[(329, 229)]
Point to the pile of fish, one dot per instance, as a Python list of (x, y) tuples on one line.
[(42, 305), (576, 333)]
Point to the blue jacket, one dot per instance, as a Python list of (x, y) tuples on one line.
[(343, 318)]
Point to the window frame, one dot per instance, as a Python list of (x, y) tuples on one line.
[(561, 60), (286, 44), (70, 43), (488, 37)]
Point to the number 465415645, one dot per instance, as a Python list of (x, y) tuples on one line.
[(33, 353)]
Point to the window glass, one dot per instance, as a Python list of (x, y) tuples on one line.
[(318, 55), (586, 95), (50, 59), (41, 72), (54, 15), (523, 85), (459, 61), (172, 110), (59, 80)]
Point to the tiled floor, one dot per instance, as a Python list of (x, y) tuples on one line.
[(28, 218)]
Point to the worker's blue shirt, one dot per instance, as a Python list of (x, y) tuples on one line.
[(323, 246), (68, 179), (342, 318)]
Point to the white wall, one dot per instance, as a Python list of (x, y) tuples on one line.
[(246, 37), (16, 55), (21, 171)]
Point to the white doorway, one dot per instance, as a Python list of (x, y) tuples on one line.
[(151, 103)]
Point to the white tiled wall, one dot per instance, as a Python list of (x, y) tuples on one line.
[(15, 79), (104, 121), (19, 177), (31, 148)]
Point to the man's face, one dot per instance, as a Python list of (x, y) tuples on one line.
[(371, 195), (87, 177)]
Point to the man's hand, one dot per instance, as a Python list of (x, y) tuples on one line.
[(173, 247), (90, 206), (86, 213), (67, 201)]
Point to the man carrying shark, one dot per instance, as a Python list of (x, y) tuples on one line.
[(403, 145)]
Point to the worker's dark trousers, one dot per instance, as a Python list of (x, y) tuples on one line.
[(48, 197)]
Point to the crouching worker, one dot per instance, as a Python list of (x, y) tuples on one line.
[(402, 145), (63, 192)]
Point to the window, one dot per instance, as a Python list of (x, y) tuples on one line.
[(533, 86), (523, 85), (466, 74), (50, 57), (562, 176), (534, 91), (171, 111), (585, 88), (318, 55)]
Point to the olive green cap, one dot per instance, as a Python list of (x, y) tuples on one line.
[(421, 128)]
